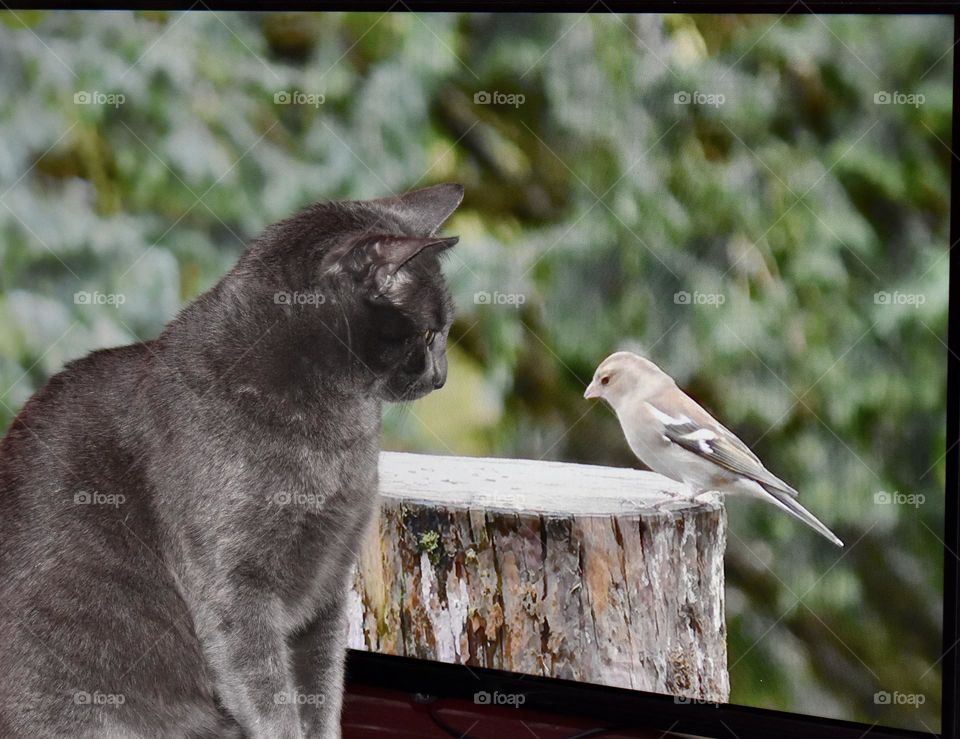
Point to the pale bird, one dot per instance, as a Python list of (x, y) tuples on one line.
[(671, 434)]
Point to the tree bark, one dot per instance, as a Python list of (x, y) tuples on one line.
[(596, 574)]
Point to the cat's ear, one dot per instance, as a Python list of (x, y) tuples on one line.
[(425, 210), (376, 260)]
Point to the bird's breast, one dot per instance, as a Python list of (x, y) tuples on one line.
[(650, 447)]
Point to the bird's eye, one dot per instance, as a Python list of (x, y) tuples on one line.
[(605, 380), (428, 336)]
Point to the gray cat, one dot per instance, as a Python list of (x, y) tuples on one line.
[(179, 518)]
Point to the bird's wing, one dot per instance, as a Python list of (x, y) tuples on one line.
[(691, 427)]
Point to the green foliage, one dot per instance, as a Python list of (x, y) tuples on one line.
[(807, 223)]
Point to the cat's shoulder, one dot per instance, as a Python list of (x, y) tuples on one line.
[(105, 360), (86, 383), (104, 370)]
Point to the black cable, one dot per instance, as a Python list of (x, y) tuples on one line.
[(450, 731), (596, 732)]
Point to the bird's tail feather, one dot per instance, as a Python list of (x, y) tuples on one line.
[(792, 506)]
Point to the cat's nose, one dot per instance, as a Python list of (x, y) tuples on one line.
[(439, 380)]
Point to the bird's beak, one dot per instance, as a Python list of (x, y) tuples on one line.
[(592, 391)]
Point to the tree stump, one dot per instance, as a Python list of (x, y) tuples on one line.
[(597, 574)]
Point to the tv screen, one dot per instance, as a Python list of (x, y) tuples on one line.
[(730, 232)]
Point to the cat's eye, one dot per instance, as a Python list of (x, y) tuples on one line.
[(428, 336)]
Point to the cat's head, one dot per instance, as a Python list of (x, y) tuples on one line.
[(356, 296)]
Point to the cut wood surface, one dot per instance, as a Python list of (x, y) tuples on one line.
[(598, 574)]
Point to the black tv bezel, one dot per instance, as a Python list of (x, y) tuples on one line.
[(617, 707)]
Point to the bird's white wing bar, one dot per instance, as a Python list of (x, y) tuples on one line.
[(701, 436), (719, 446), (666, 419)]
